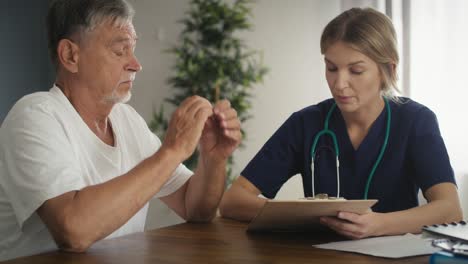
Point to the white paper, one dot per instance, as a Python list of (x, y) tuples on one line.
[(386, 246)]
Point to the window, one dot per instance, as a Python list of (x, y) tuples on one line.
[(438, 70)]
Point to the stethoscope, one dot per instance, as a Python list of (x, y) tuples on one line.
[(337, 151)]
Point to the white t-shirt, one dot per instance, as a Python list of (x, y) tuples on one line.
[(46, 149)]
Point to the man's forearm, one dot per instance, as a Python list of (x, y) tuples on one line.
[(205, 189), (83, 217)]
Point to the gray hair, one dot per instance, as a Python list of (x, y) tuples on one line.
[(68, 17)]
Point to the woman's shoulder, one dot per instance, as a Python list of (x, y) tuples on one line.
[(410, 109), (416, 116), (316, 110), (309, 117)]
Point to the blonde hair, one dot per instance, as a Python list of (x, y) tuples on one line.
[(371, 33)]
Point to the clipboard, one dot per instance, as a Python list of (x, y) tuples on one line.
[(301, 215)]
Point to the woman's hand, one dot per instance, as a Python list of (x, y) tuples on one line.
[(356, 226)]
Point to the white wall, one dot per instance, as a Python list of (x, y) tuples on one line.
[(288, 34), (157, 28)]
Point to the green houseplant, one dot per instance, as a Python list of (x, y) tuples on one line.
[(212, 62)]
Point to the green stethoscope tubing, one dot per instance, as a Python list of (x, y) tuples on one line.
[(327, 131)]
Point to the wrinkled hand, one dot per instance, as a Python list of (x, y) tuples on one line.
[(221, 134), (355, 226), (186, 126)]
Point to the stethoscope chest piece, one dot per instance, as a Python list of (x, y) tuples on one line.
[(324, 196)]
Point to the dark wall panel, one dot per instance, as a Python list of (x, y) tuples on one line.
[(24, 61)]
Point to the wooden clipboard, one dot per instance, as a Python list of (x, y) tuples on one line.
[(303, 214)]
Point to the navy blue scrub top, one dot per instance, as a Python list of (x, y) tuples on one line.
[(415, 158)]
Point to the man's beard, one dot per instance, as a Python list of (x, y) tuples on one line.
[(115, 98)]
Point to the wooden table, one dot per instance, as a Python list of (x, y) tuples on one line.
[(223, 241)]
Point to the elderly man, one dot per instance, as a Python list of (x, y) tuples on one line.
[(78, 165)]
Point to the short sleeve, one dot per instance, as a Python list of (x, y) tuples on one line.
[(36, 160), (278, 160), (430, 160), (179, 177)]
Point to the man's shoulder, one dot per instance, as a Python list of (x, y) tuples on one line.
[(33, 114), (35, 102)]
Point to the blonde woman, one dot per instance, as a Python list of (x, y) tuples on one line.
[(388, 147)]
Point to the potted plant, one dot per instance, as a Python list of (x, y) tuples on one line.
[(212, 62)]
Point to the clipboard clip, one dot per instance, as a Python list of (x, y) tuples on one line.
[(324, 196)]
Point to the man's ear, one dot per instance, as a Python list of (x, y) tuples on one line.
[(68, 55)]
